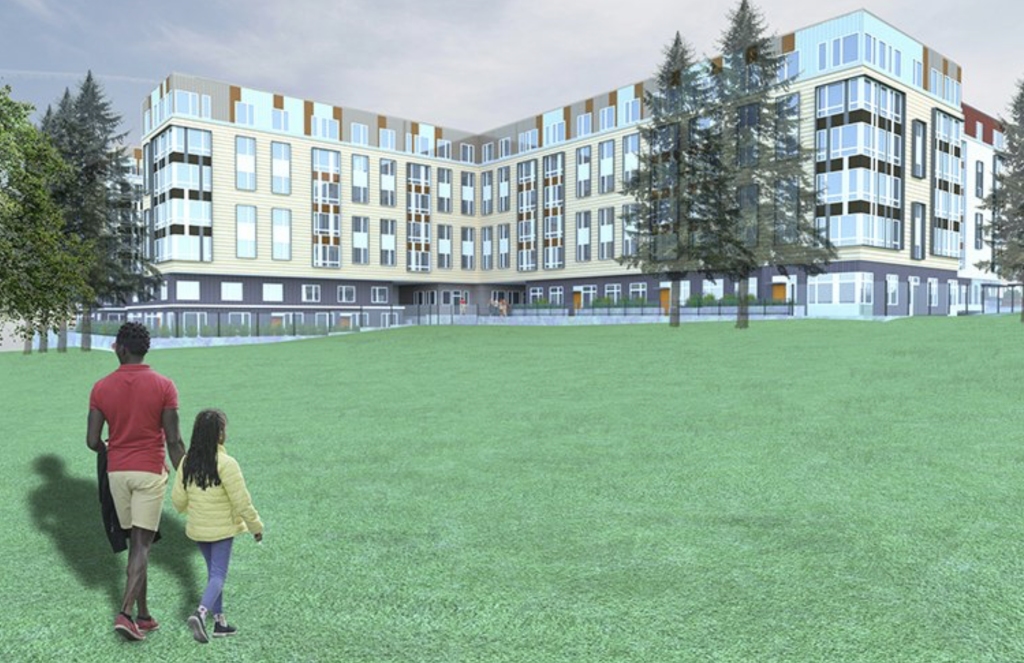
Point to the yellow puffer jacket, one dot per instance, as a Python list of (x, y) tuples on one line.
[(218, 512)]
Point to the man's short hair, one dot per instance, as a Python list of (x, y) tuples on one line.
[(134, 338)]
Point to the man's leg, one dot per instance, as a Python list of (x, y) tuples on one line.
[(138, 561), (140, 600)]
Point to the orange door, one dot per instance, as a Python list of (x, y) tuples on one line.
[(577, 300), (779, 292), (666, 299)]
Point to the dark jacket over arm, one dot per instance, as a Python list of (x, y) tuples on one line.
[(111, 525)]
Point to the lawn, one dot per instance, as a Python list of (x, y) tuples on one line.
[(802, 491)]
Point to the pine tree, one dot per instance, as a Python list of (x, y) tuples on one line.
[(1006, 232), (98, 199), (42, 266), (773, 182), (676, 228)]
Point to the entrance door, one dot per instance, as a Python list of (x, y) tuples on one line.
[(577, 300), (666, 299), (779, 292)]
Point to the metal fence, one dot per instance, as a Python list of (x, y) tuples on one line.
[(244, 324), (471, 314)]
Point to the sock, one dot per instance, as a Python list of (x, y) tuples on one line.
[(202, 612), (126, 615), (144, 618), (220, 619)]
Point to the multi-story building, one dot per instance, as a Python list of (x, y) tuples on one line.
[(263, 204), (984, 141)]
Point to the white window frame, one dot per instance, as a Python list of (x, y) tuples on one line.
[(187, 291), (346, 294), (310, 293), (273, 292)]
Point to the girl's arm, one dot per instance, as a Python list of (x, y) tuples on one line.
[(234, 485), (179, 496)]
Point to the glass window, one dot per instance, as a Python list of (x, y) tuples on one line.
[(281, 168), (387, 242), (850, 51), (387, 182), (606, 167), (360, 178), (360, 240), (282, 234), (245, 231), (360, 133), (245, 163), (583, 174)]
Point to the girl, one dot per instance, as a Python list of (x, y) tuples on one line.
[(210, 487)]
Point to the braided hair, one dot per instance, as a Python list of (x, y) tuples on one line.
[(200, 465), (134, 338)]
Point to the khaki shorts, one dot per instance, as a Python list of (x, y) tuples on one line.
[(138, 498)]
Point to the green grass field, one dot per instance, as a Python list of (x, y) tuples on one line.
[(802, 491)]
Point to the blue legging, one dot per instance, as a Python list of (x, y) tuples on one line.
[(217, 555)]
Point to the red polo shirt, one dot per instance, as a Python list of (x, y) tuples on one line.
[(132, 400)]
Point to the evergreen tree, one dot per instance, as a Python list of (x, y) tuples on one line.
[(98, 199), (676, 227), (773, 182), (1006, 232), (42, 266)]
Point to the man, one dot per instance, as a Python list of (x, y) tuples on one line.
[(140, 409)]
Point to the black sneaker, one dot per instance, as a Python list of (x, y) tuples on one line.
[(197, 623), (223, 631)]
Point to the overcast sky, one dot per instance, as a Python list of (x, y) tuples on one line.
[(467, 64)]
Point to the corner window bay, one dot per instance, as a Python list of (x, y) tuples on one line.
[(859, 168)]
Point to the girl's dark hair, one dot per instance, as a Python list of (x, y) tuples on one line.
[(200, 466)]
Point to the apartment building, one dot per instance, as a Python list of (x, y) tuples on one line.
[(984, 142), (260, 203)]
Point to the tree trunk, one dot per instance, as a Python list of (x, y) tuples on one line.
[(28, 342), (743, 307), (673, 304), (44, 340), (62, 337), (87, 329)]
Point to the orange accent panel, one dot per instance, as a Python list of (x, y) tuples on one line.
[(234, 95)]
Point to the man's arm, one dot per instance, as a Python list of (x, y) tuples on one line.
[(94, 432), (172, 432)]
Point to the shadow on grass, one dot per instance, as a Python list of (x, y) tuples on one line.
[(67, 509)]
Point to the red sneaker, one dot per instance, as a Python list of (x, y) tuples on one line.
[(146, 624), (127, 629)]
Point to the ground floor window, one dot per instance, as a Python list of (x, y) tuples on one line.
[(556, 295), (588, 293), (240, 319), (379, 295), (714, 288), (613, 291), (892, 289), (933, 293), (843, 288), (638, 291), (536, 294), (954, 293), (346, 294)]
